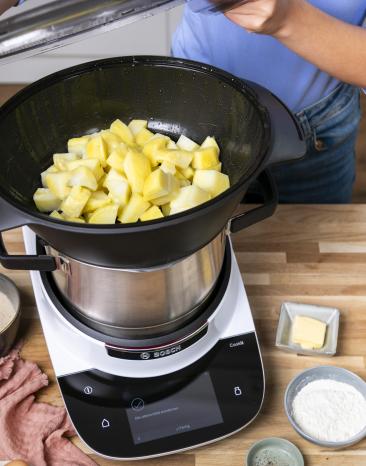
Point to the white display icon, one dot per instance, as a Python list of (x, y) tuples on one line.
[(105, 423), (88, 390), (237, 391)]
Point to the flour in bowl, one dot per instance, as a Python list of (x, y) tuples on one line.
[(330, 411), (7, 311)]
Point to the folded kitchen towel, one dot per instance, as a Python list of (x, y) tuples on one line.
[(35, 432)]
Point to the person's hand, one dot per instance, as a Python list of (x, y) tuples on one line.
[(270, 17), (6, 4)]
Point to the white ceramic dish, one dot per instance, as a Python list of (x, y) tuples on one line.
[(329, 315)]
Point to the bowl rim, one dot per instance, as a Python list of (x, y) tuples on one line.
[(10, 282), (295, 380), (279, 440)]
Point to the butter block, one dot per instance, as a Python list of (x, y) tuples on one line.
[(309, 333)]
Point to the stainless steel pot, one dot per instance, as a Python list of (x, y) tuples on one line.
[(135, 303)]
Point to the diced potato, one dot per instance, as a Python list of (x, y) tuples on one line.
[(78, 145), (205, 159), (157, 184), (123, 131), (45, 200), (211, 181), (171, 145), (111, 139), (134, 209), (60, 161), (137, 168), (189, 197), (118, 187), (137, 125), (75, 202), (117, 158), (51, 169), (180, 158), (105, 215), (174, 187), (187, 144), (56, 215), (157, 142), (210, 142), (187, 173), (151, 214), (58, 183), (84, 177), (168, 167), (97, 200), (166, 209), (143, 136), (218, 167), (93, 165), (74, 219), (96, 148)]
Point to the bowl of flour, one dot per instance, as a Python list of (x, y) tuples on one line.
[(9, 313), (327, 406)]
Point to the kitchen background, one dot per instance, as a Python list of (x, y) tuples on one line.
[(151, 36)]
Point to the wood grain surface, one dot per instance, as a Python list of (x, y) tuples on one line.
[(311, 254)]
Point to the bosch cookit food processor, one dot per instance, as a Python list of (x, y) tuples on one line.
[(148, 325)]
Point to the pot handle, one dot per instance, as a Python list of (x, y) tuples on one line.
[(11, 218), (288, 140), (269, 193)]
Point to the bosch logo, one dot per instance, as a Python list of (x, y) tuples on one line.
[(145, 356), (167, 352)]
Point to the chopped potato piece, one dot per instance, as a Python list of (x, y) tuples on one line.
[(134, 209), (157, 142), (84, 177), (157, 184), (189, 197), (205, 159), (55, 214), (117, 158), (137, 168), (123, 131), (211, 181), (93, 165), (151, 214), (61, 160), (137, 125), (173, 192), (168, 167), (58, 184), (96, 148), (166, 209), (187, 144), (75, 202), (180, 158), (144, 136), (78, 145), (118, 187), (111, 139), (51, 169), (210, 142), (74, 219), (218, 167), (188, 173), (105, 215), (171, 145), (97, 200), (45, 200)]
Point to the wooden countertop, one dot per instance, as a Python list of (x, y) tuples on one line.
[(311, 254)]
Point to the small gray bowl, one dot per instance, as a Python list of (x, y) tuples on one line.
[(276, 451), (317, 373), (8, 334)]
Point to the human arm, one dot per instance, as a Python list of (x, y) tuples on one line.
[(334, 46)]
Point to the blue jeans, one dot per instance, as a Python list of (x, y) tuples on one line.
[(327, 173)]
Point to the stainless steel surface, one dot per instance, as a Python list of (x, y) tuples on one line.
[(329, 315), (63, 22), (141, 302), (8, 334), (317, 373)]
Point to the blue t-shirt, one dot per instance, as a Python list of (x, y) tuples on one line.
[(216, 40)]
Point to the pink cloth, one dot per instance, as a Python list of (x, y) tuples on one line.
[(34, 432)]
